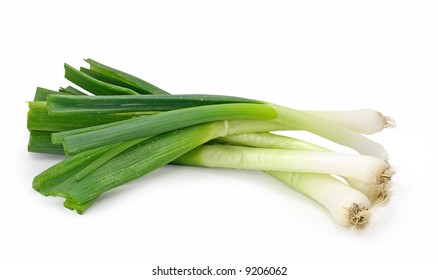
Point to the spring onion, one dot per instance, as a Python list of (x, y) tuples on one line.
[(377, 193), (132, 127), (347, 206), (366, 169)]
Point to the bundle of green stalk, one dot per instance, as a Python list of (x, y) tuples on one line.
[(125, 127)]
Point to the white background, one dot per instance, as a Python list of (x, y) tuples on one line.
[(330, 55)]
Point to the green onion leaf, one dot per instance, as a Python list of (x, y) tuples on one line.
[(124, 79), (61, 175), (159, 123), (69, 104), (42, 93), (41, 142), (71, 90), (39, 119), (81, 181), (93, 85)]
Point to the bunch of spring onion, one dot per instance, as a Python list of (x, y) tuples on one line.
[(118, 128)]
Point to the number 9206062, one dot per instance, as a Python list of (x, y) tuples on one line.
[(253, 270)]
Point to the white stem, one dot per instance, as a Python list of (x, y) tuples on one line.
[(365, 121), (269, 140), (347, 206), (363, 168), (330, 130), (377, 194)]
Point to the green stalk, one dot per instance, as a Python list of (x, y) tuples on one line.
[(69, 104), (159, 123), (62, 174), (108, 79), (66, 173), (107, 156), (38, 119), (42, 93), (124, 79), (130, 164), (104, 78), (73, 91), (58, 138), (41, 142), (93, 85), (79, 208), (129, 160)]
